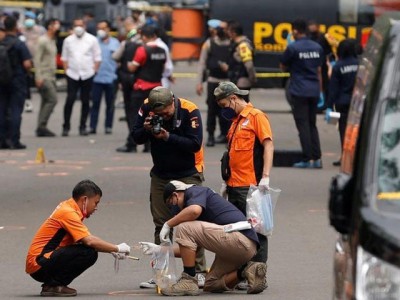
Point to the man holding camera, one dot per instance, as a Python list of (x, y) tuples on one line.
[(174, 128)]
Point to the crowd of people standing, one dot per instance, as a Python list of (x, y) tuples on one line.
[(170, 128)]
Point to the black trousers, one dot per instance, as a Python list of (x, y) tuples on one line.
[(73, 86), (64, 265), (129, 112), (137, 99), (344, 112), (305, 117), (214, 112), (237, 196)]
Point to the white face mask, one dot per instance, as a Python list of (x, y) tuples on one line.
[(102, 34), (79, 31)]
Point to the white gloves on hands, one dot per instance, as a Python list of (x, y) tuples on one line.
[(264, 183), (124, 248), (149, 248), (164, 233)]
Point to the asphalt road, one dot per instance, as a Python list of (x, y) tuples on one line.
[(300, 249)]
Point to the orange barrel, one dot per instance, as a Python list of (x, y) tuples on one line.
[(187, 33)]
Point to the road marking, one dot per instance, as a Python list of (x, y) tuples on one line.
[(12, 227), (52, 174), (317, 210)]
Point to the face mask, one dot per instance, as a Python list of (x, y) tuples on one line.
[(79, 31), (175, 209), (29, 23), (102, 34), (228, 113)]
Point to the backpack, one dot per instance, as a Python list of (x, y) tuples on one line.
[(6, 66)]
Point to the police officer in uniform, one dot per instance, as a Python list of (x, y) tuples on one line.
[(214, 52), (342, 83), (123, 55), (303, 59), (240, 67), (148, 65)]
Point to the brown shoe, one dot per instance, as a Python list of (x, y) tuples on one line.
[(255, 273), (57, 291), (186, 286)]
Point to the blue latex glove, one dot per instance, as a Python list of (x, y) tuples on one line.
[(321, 101), (327, 114)]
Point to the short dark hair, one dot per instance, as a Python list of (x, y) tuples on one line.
[(50, 22), (107, 22), (148, 31), (300, 25), (349, 48), (86, 188), (10, 23), (236, 27)]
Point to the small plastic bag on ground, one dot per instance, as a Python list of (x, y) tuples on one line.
[(164, 267), (260, 205)]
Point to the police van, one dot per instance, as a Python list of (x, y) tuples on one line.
[(267, 23), (67, 10), (364, 204)]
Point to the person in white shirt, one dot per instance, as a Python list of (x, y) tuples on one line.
[(81, 56)]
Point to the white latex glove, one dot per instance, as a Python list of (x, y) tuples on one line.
[(118, 255), (124, 248), (149, 248), (164, 233), (222, 191), (264, 183)]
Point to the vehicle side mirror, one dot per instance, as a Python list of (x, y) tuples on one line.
[(340, 203)]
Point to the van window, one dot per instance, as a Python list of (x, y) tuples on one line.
[(389, 154), (360, 12)]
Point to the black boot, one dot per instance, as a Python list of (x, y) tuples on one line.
[(210, 141)]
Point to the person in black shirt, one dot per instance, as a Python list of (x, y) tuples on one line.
[(342, 83), (199, 218), (13, 94)]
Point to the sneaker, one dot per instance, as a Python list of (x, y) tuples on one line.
[(210, 141), (201, 279), (83, 132), (57, 291), (186, 286), (221, 139), (44, 132), (28, 107), (317, 164), (255, 273), (65, 132), (336, 163), (108, 130), (302, 164), (150, 284)]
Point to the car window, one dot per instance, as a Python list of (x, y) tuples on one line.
[(389, 154)]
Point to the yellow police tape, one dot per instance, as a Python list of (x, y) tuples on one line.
[(25, 4), (389, 196), (194, 75)]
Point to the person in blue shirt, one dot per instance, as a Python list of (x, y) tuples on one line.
[(342, 82), (199, 218), (104, 80), (303, 59)]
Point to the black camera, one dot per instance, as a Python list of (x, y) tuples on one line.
[(156, 121)]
